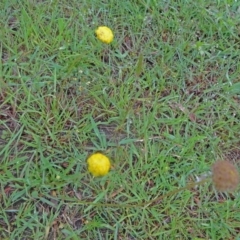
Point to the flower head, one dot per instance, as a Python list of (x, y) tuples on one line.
[(225, 176), (98, 164), (104, 34)]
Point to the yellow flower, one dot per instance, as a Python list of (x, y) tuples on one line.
[(98, 164), (104, 34)]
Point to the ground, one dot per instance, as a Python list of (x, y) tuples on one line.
[(162, 101)]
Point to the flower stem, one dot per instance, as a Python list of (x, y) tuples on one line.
[(150, 203)]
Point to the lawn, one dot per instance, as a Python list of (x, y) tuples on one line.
[(162, 101)]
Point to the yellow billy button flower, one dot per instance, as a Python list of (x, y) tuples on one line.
[(104, 34), (98, 164)]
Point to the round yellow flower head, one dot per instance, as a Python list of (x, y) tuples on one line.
[(98, 164), (104, 34)]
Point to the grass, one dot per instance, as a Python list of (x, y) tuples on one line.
[(162, 101)]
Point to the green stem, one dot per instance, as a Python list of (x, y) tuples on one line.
[(152, 202)]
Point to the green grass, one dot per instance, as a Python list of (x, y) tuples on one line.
[(162, 101)]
